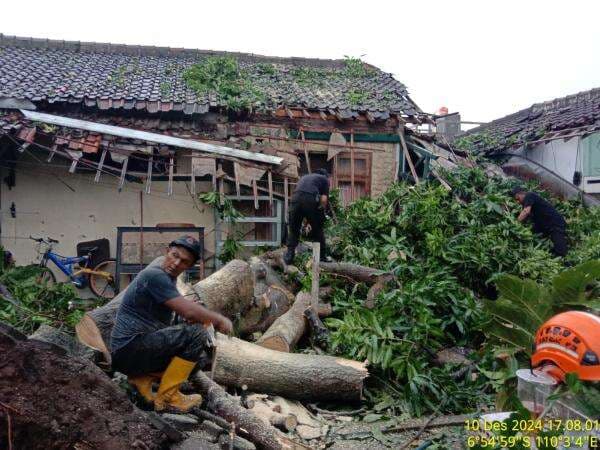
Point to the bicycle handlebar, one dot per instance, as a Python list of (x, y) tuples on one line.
[(48, 240)]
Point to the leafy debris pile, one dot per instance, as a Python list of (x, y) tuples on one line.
[(448, 250)]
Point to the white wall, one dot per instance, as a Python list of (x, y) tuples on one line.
[(558, 156), (46, 207)]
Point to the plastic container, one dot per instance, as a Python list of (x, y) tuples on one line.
[(533, 389)]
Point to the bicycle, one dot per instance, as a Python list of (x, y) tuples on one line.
[(100, 279)]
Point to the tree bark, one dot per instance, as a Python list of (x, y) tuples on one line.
[(247, 424), (374, 277), (292, 375), (287, 330), (318, 331), (229, 291)]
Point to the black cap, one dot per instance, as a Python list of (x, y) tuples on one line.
[(322, 172), (190, 243), (514, 191)]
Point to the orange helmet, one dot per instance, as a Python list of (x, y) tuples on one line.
[(569, 342)]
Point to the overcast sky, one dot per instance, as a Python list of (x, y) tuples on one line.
[(485, 59)]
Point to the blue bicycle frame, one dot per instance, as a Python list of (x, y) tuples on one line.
[(66, 264)]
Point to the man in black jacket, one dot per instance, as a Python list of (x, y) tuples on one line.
[(546, 219), (308, 202)]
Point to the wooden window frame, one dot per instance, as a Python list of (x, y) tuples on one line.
[(347, 178)]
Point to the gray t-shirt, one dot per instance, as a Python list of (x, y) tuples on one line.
[(142, 309)]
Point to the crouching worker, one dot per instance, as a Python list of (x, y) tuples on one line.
[(143, 344)]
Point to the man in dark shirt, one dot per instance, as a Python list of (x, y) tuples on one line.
[(546, 219), (308, 202), (143, 344)]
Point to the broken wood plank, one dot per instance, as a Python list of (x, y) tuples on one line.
[(407, 154), (316, 257), (170, 185), (123, 173), (270, 181), (100, 165), (149, 174)]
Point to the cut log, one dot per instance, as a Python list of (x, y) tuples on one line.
[(292, 375), (287, 330), (263, 411), (318, 331), (229, 291), (247, 424)]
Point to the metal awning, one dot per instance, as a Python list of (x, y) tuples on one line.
[(150, 137)]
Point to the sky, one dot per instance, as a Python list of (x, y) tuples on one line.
[(484, 59)]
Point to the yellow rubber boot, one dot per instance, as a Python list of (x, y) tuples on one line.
[(168, 395), (143, 384)]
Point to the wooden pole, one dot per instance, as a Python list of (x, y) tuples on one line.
[(407, 154), (316, 258), (193, 178), (305, 152), (352, 196), (170, 186), (100, 164), (285, 199), (270, 179), (141, 230), (149, 174)]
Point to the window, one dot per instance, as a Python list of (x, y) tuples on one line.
[(362, 176)]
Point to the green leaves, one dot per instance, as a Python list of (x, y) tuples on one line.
[(524, 305), (223, 76), (37, 304)]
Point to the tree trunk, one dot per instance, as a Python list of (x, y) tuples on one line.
[(292, 375), (229, 291), (287, 330), (374, 277), (246, 423)]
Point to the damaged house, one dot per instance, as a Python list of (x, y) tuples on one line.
[(556, 142), (100, 140)]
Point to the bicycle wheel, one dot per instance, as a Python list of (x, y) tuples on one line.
[(102, 284), (46, 277)]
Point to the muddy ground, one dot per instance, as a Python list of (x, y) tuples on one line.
[(59, 402)]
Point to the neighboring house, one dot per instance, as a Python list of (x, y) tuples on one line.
[(556, 142), (86, 127)]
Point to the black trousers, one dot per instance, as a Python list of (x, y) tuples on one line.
[(152, 352), (306, 206), (558, 236)]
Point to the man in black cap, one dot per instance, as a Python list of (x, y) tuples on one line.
[(308, 202), (146, 347), (546, 219)]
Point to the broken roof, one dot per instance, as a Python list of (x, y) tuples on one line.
[(560, 117), (110, 76)]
